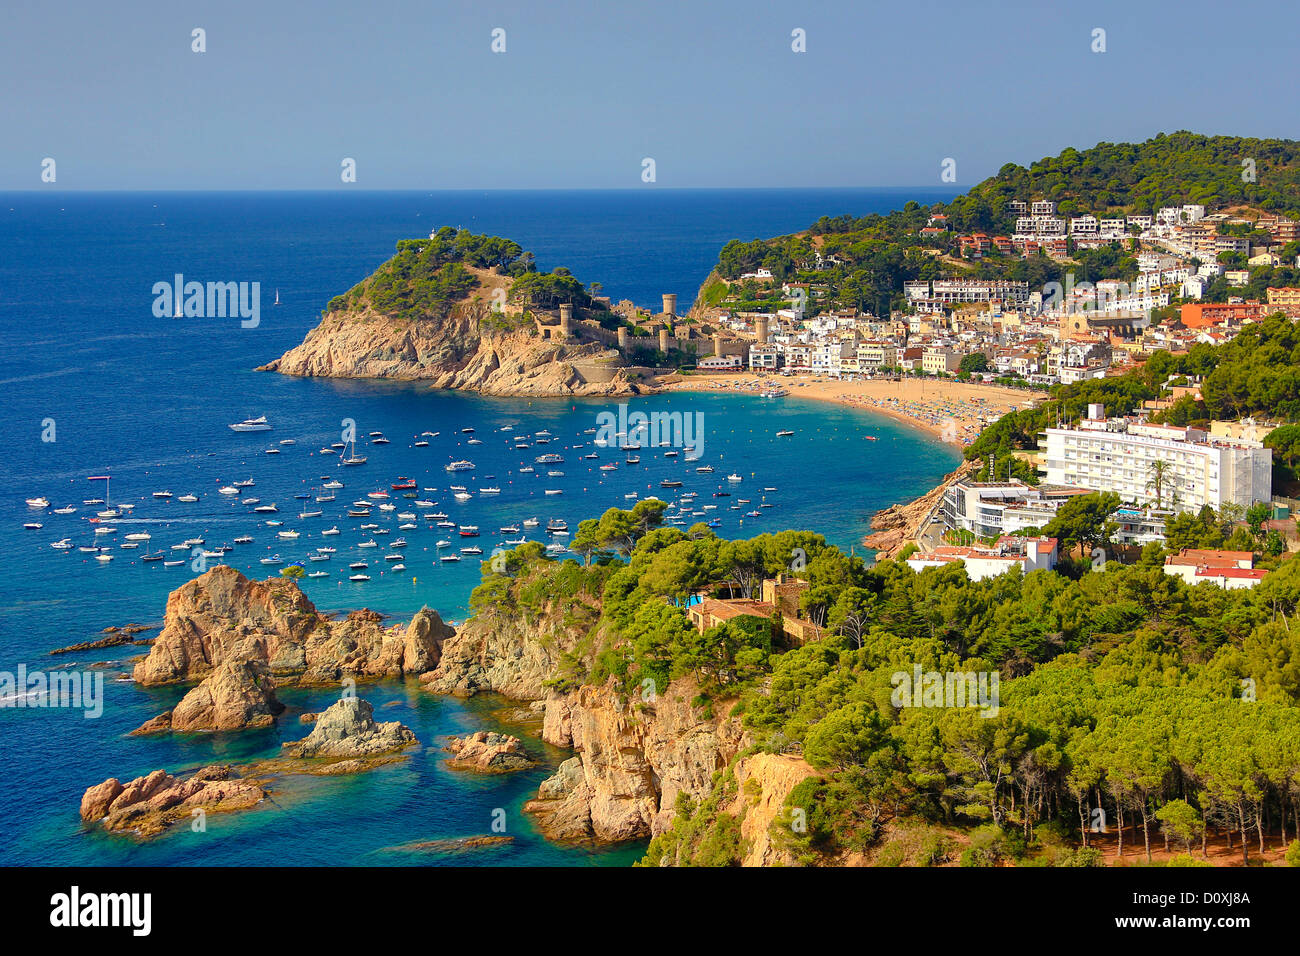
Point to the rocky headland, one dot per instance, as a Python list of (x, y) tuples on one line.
[(449, 311), (633, 757), (895, 526)]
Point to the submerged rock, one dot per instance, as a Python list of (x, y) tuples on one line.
[(454, 845)]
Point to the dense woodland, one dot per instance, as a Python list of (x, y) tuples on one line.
[(427, 277), (1172, 709)]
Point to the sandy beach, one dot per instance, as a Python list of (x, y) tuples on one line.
[(953, 411)]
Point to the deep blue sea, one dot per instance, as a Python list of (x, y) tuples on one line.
[(146, 401)]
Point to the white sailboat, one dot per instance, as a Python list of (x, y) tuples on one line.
[(354, 458)]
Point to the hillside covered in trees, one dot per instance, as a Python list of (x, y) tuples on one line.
[(426, 277), (876, 254), (1172, 710)]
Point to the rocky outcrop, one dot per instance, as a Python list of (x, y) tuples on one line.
[(148, 805), (224, 616), (347, 729), (116, 637), (504, 653), (765, 781), (634, 758), (488, 752), (238, 695), (896, 525), (448, 354)]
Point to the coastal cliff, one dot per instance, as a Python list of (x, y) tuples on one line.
[(454, 356), (636, 758)]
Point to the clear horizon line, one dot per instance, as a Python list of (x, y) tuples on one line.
[(945, 187)]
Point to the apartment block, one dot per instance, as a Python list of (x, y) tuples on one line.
[(1121, 456)]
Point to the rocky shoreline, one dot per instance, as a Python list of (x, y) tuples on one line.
[(894, 527), (451, 356), (241, 639)]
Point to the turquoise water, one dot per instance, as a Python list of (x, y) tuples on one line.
[(147, 402)]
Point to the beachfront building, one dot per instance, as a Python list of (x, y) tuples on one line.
[(766, 358), (982, 561), (1121, 456), (1230, 570), (720, 363), (877, 355), (824, 357), (940, 361), (988, 508)]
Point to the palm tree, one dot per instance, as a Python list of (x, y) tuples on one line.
[(1161, 472)]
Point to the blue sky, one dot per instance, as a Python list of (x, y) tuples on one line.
[(586, 90)]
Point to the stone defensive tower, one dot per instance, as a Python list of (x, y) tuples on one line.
[(670, 304), (760, 331), (566, 320)]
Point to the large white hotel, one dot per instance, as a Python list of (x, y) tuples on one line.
[(1118, 455)]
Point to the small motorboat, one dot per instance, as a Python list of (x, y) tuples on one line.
[(38, 502)]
